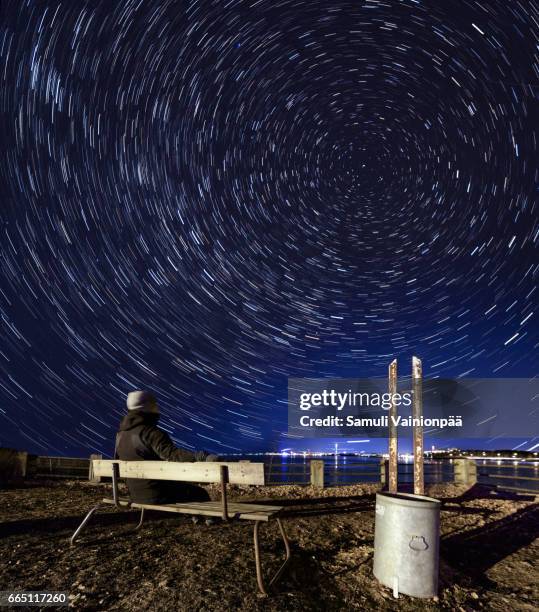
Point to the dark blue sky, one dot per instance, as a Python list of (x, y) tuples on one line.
[(204, 201)]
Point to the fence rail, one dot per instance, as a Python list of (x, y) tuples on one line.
[(17, 465), (330, 474), (460, 471), (523, 481)]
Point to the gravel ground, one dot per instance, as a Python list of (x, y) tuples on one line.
[(489, 552)]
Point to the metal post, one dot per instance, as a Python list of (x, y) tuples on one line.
[(224, 480), (393, 443), (417, 412)]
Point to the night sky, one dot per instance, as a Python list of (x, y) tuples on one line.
[(205, 198)]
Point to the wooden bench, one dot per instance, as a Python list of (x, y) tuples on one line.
[(243, 473)]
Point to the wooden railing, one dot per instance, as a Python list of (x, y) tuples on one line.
[(322, 473), (486, 474), (464, 471), (16, 466)]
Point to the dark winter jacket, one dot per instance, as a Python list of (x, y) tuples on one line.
[(140, 438)]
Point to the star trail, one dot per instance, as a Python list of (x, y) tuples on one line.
[(205, 198)]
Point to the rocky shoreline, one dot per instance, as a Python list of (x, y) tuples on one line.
[(489, 552)]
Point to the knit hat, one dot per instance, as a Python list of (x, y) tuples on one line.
[(143, 401)]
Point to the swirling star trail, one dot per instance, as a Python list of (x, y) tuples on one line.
[(204, 198)]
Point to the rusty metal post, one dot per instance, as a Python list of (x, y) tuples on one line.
[(393, 443), (417, 413)]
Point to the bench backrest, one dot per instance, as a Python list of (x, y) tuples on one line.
[(200, 471)]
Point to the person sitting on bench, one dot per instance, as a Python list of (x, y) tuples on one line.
[(140, 438)]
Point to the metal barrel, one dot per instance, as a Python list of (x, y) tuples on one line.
[(407, 543)]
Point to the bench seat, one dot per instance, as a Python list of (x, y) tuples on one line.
[(252, 512), (239, 473)]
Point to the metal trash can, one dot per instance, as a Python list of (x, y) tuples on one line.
[(407, 543)]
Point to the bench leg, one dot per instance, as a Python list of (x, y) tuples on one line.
[(89, 516), (141, 520), (279, 572), (83, 524)]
